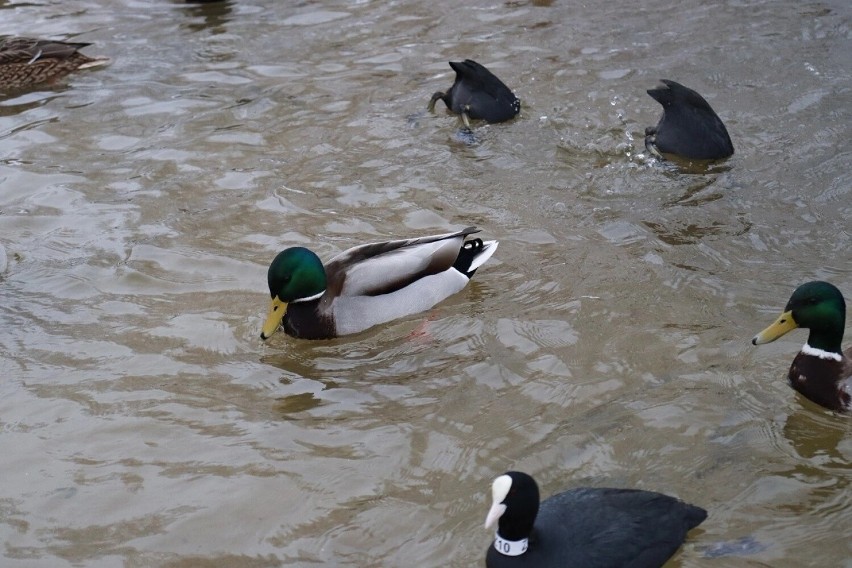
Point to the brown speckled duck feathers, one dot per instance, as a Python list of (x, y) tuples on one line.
[(25, 62)]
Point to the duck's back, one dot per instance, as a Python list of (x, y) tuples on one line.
[(605, 528)]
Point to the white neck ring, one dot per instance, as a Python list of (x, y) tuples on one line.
[(309, 298), (822, 354)]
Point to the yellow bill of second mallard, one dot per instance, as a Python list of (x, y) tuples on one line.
[(781, 326)]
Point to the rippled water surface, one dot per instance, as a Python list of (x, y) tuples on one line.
[(144, 423)]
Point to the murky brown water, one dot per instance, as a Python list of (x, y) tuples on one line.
[(145, 424)]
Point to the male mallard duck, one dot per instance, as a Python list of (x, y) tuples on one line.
[(688, 127), (26, 61), (585, 527), (821, 371), (478, 93), (368, 284)]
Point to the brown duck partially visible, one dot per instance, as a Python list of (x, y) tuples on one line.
[(25, 61)]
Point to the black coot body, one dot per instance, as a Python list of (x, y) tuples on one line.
[(689, 127), (589, 527), (478, 94)]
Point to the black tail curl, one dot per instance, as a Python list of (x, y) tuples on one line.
[(467, 254)]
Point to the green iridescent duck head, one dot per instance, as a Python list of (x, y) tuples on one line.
[(295, 274)]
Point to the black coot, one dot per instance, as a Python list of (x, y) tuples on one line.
[(688, 127), (586, 527), (478, 94)]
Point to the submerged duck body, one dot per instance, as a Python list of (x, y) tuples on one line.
[(25, 61), (369, 284), (478, 94), (585, 527), (821, 371), (688, 128)]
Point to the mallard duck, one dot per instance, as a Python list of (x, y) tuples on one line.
[(821, 371), (368, 284), (585, 527), (688, 127), (478, 93), (26, 61)]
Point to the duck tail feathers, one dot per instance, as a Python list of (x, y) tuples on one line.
[(473, 254)]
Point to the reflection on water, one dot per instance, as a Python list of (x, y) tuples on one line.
[(607, 343), (818, 435), (212, 16)]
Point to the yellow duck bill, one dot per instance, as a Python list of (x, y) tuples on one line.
[(277, 309), (784, 324)]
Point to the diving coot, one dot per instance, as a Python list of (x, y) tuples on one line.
[(688, 127), (478, 94)]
